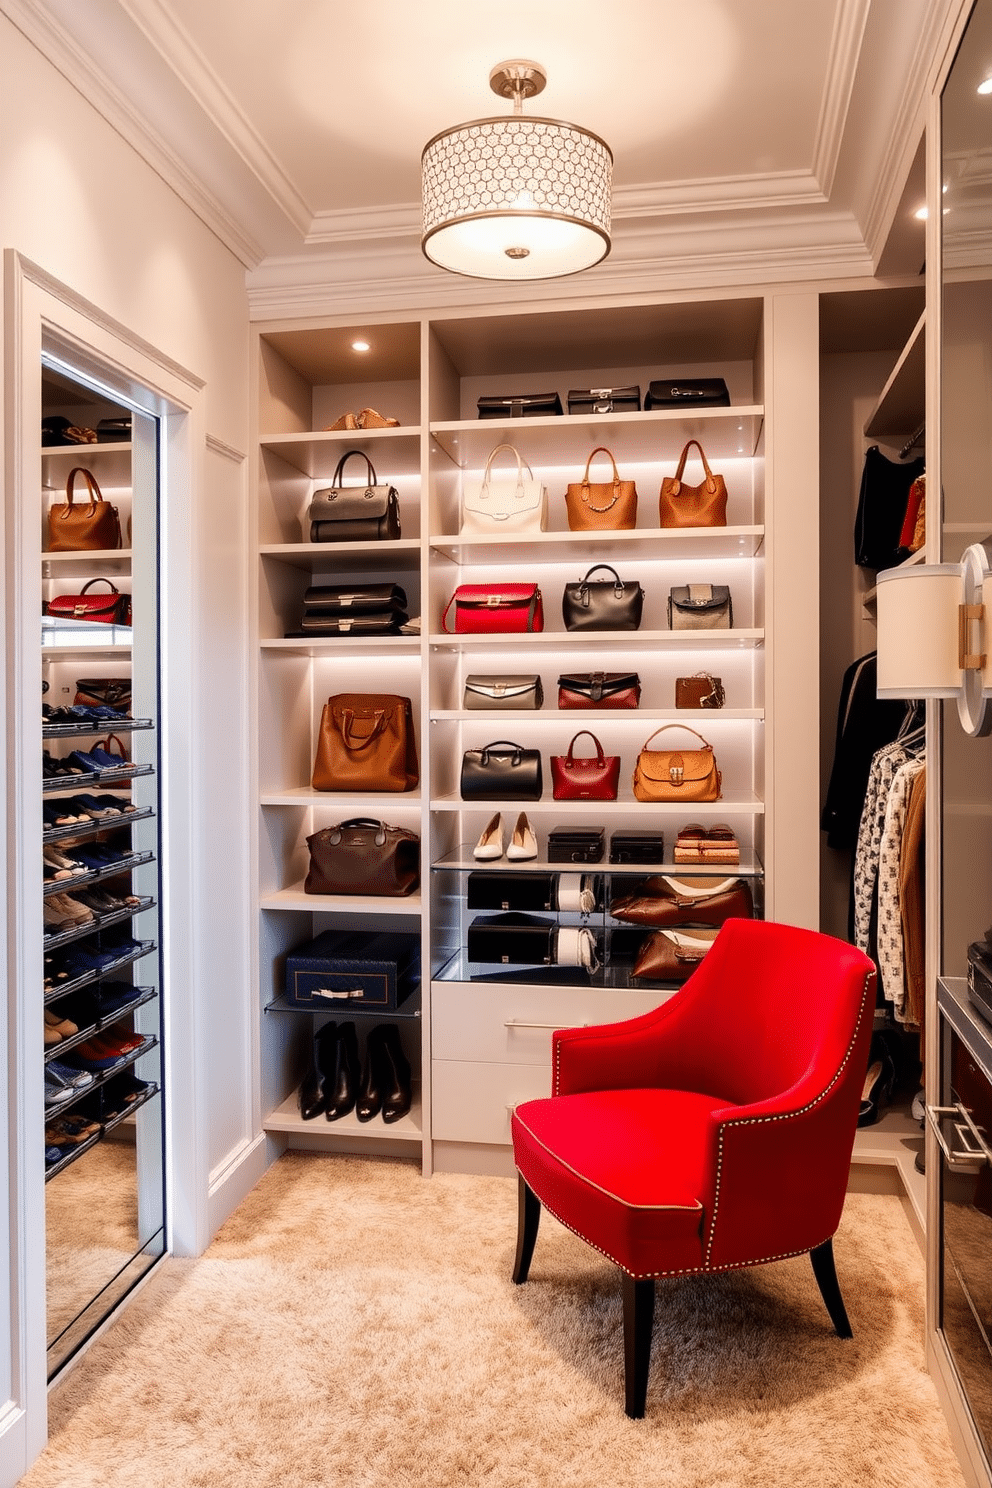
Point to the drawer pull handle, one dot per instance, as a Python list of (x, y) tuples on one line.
[(967, 1134), (338, 994), (524, 1023)]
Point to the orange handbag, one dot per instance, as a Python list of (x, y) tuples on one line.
[(601, 505), (677, 774), (682, 505), (366, 743), (84, 527)]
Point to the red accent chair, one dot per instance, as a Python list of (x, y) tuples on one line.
[(715, 1131)]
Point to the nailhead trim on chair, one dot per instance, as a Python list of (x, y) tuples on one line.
[(783, 1116)]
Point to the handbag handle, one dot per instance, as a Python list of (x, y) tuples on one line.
[(92, 489), (115, 739), (705, 742), (599, 756), (676, 485), (113, 587), (348, 718), (359, 821), (518, 750), (601, 450), (484, 489), (337, 478), (618, 583)]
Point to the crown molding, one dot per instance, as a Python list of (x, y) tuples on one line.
[(49, 29), (850, 22)]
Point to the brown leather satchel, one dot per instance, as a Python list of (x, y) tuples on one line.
[(366, 743), (600, 506), (699, 691), (672, 955), (84, 528), (677, 774), (363, 856), (663, 901), (682, 505)]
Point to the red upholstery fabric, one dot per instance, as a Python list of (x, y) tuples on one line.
[(716, 1130)]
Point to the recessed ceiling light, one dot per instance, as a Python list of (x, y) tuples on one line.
[(360, 346), (985, 87), (921, 214)]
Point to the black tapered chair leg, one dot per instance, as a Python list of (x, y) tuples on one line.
[(528, 1219), (638, 1319), (826, 1279)]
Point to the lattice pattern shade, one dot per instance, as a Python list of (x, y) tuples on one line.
[(516, 198)]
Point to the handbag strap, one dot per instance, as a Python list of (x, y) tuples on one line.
[(337, 478), (676, 485), (599, 756), (601, 450), (348, 718), (113, 587), (521, 464), (705, 742), (487, 749), (359, 821), (618, 584), (92, 489), (114, 739)]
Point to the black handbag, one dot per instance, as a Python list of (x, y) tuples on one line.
[(340, 513), (882, 501), (604, 400), (520, 939), (502, 771), (520, 405), (363, 856), (602, 604), (687, 392)]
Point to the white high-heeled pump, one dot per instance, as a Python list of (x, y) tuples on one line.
[(523, 843), (490, 844)]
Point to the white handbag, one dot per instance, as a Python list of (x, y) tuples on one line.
[(511, 502)]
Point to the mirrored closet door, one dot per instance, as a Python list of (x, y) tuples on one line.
[(101, 890)]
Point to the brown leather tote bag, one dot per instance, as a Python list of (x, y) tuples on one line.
[(366, 743), (682, 505), (363, 856), (90, 526), (601, 506)]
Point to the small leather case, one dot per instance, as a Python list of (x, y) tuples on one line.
[(604, 400), (496, 889), (700, 607), (647, 846), (514, 938), (687, 392), (520, 405), (699, 691), (503, 690), (576, 844)]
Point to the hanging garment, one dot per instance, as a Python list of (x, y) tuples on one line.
[(891, 955), (864, 725), (883, 768), (912, 901)]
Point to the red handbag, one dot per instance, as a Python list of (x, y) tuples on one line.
[(107, 609), (495, 609), (593, 777)]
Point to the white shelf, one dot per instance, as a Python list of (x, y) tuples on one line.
[(294, 897), (547, 806), (286, 1118), (588, 716), (355, 804), (341, 645), (66, 565), (585, 640), (670, 543), (93, 651), (315, 454), (655, 437), (399, 556), (463, 861), (109, 462), (901, 405)]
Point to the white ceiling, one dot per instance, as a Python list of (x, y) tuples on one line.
[(753, 139)]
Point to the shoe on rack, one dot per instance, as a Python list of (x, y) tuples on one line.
[(315, 1088), (346, 421), (523, 843), (397, 1094), (368, 418), (490, 843), (375, 1074), (64, 1027), (341, 1070)]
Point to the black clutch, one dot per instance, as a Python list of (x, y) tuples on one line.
[(355, 599), (520, 405), (512, 939), (604, 400), (510, 890), (576, 845), (687, 392), (637, 847), (316, 623), (502, 771)]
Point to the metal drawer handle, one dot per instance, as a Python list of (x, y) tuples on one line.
[(523, 1023), (966, 1131), (339, 995)]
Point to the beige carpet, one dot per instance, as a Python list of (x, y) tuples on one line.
[(353, 1324)]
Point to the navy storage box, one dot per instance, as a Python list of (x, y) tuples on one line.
[(349, 968)]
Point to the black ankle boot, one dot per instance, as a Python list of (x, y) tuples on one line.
[(342, 1066), (396, 1092), (375, 1075), (314, 1091)]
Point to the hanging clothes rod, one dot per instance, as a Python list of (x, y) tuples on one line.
[(912, 443)]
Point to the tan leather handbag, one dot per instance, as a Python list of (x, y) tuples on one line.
[(672, 955), (91, 526), (600, 506), (677, 774), (665, 901), (366, 743), (682, 505)]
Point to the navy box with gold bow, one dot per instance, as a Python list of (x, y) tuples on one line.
[(349, 969)]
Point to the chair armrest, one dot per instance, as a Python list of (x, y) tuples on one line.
[(619, 1056)]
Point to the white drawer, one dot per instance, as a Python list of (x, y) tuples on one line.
[(507, 1024), (471, 1102)]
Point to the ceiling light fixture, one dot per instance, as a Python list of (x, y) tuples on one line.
[(360, 346), (516, 197), (985, 87)]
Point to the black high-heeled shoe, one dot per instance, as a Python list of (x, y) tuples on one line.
[(375, 1074), (878, 1085), (315, 1089), (397, 1096), (342, 1072)]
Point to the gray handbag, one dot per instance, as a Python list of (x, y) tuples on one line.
[(501, 690), (700, 607)]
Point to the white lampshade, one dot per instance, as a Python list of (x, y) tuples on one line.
[(516, 197), (917, 615)]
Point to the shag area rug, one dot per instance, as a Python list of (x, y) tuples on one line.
[(353, 1324)]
